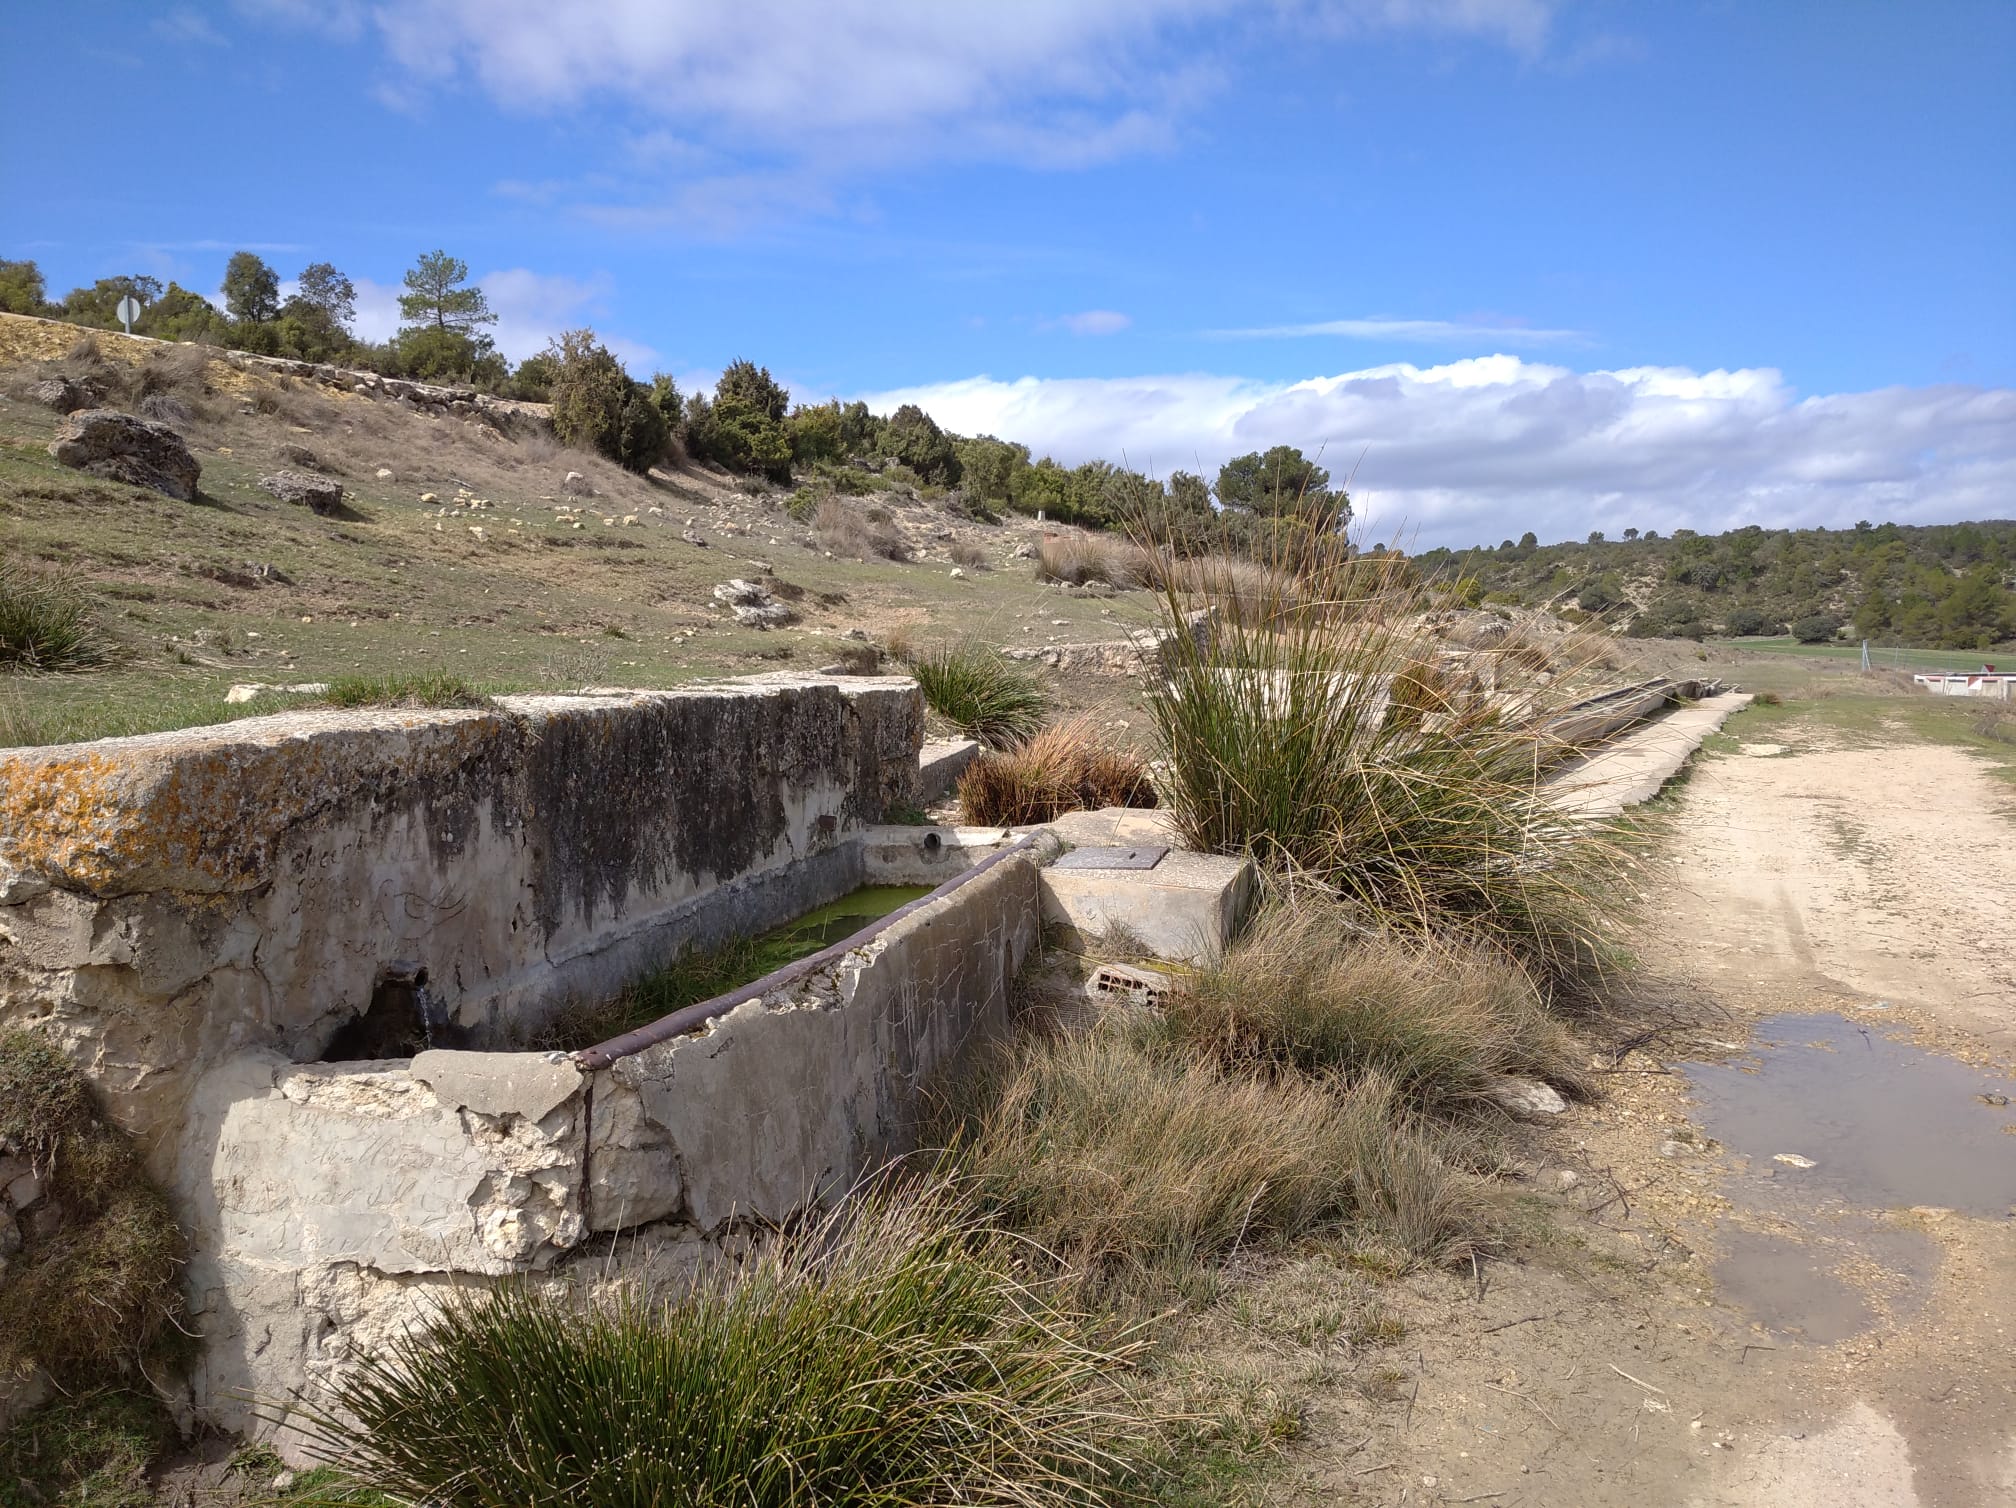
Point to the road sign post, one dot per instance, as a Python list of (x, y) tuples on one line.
[(128, 311)]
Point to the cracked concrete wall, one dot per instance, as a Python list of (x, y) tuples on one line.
[(170, 901), (332, 1203)]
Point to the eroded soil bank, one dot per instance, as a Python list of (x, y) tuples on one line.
[(1697, 1321)]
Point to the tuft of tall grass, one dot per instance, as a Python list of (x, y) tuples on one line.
[(46, 622), (1066, 767), (1438, 1020), (1078, 558), (982, 694), (897, 1351), (1135, 1158), (1316, 730), (848, 530)]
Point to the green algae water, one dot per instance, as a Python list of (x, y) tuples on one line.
[(703, 973)]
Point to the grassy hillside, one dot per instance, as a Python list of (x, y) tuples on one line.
[(497, 588), (1945, 586)]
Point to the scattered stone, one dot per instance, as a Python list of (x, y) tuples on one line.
[(1566, 1179), (65, 394), (1993, 1101), (361, 389), (319, 493), (251, 691), (430, 497), (574, 484), (301, 455), (1794, 1160), (1525, 1097), (958, 574), (753, 605), (1023, 551), (384, 473), (693, 537), (140, 452)]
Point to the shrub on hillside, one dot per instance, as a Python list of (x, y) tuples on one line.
[(913, 438), (598, 406), (1817, 628), (858, 533), (1748, 622), (896, 1351), (980, 693), (1066, 767)]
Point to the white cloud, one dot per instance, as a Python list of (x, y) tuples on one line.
[(185, 25), (1475, 450), (1048, 82), (1410, 332), (1091, 322)]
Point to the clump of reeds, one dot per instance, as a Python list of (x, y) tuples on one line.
[(982, 694), (1066, 767), (1316, 730), (897, 1351)]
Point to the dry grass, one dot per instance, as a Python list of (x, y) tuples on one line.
[(849, 530), (971, 557), (1136, 1160), (1438, 1020), (1244, 590), (1066, 767), (1075, 559), (93, 1292)]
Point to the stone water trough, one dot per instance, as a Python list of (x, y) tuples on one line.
[(300, 957)]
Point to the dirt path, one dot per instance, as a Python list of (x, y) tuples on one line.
[(1713, 1326)]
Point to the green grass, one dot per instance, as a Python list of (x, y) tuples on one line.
[(980, 693), (92, 1449), (437, 690), (897, 1352)]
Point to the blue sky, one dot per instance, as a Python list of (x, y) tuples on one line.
[(1538, 263)]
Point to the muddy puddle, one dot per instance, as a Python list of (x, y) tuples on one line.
[(1841, 1139)]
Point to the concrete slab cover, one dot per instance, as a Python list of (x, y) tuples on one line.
[(1143, 856)]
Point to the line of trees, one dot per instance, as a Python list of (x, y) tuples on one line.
[(1926, 586), (748, 423), (443, 335)]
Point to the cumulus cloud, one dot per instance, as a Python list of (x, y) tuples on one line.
[(1409, 332), (1049, 82), (1472, 451)]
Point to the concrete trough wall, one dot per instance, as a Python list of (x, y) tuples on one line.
[(170, 901), (332, 1203)]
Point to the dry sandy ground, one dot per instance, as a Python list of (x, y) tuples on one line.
[(1637, 1359)]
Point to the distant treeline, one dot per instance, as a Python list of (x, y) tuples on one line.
[(1945, 586)]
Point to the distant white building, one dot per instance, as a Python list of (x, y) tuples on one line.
[(1987, 681)]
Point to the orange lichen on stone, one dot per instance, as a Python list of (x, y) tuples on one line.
[(206, 810)]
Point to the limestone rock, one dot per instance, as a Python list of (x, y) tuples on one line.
[(576, 485), (753, 604), (1525, 1097), (693, 537), (65, 394), (319, 493), (107, 443)]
